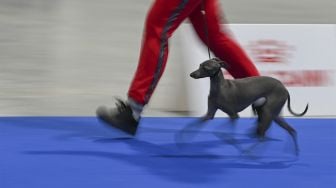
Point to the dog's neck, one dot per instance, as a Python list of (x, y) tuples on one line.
[(215, 82)]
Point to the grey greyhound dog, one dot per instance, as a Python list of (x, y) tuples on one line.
[(233, 96)]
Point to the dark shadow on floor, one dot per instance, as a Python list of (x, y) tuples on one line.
[(194, 165)]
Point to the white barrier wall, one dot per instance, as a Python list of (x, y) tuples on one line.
[(302, 56)]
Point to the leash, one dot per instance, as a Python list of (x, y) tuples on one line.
[(206, 30)]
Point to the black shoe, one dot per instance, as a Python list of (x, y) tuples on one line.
[(120, 117)]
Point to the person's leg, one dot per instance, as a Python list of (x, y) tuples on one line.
[(220, 42), (162, 20)]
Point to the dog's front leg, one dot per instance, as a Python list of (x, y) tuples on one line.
[(233, 119), (212, 109)]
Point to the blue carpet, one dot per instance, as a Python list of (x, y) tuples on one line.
[(52, 152)]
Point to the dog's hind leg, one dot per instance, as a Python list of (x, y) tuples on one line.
[(265, 118), (264, 121), (252, 132), (270, 110), (282, 123)]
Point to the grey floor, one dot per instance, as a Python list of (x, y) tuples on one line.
[(66, 57)]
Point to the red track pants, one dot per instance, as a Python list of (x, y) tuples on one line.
[(162, 20)]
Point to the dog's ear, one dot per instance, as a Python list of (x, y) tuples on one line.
[(222, 63)]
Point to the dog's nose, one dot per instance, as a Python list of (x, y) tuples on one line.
[(193, 74)]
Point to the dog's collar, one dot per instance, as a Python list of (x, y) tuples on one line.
[(217, 72)]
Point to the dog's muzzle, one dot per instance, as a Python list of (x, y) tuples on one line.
[(196, 74)]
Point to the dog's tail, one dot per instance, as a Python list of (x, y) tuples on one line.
[(291, 111)]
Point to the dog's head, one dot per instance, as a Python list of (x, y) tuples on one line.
[(209, 68)]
